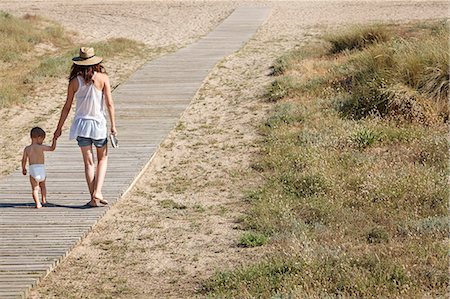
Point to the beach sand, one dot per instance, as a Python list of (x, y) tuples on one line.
[(141, 248)]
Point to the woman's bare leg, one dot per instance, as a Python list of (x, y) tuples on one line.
[(89, 169), (102, 165)]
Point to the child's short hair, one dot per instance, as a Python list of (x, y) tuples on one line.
[(37, 132)]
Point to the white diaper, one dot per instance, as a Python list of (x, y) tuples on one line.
[(37, 171)]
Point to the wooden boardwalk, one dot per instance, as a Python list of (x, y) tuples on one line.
[(148, 105)]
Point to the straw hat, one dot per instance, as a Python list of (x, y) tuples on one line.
[(87, 57)]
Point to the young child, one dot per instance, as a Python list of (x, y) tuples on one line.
[(34, 153)]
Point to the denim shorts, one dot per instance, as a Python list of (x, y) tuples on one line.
[(84, 141)]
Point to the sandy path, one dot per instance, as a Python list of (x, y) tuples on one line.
[(180, 224)]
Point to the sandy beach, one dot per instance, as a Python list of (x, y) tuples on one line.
[(219, 128)]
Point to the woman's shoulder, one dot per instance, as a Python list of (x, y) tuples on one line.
[(102, 78), (73, 83), (101, 75)]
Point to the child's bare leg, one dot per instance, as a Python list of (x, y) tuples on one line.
[(89, 166), (43, 192), (102, 157), (35, 192)]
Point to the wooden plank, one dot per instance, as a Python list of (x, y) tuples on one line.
[(148, 105)]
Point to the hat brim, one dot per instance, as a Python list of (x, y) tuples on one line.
[(90, 61)]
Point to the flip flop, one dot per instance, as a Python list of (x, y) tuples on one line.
[(114, 141)]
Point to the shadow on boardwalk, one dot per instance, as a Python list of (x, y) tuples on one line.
[(47, 205)]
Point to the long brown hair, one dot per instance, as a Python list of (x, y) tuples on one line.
[(85, 71)]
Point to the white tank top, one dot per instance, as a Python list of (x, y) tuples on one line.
[(90, 118)]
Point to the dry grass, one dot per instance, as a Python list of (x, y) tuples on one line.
[(357, 37), (354, 207), (34, 50)]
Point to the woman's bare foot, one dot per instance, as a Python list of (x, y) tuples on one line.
[(92, 203), (38, 205), (100, 199)]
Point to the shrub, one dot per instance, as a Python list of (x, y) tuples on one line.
[(396, 80), (403, 103), (356, 37)]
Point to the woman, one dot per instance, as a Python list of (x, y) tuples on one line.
[(89, 85)]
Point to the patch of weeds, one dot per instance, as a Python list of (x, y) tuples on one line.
[(285, 113), (258, 280), (316, 211), (357, 37), (428, 225), (119, 47), (314, 86), (280, 88), (377, 235), (280, 65), (179, 185), (303, 185), (52, 67), (9, 94), (434, 152), (171, 204), (252, 239), (145, 194), (365, 138)]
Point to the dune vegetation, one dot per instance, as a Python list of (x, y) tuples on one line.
[(34, 50), (355, 166)]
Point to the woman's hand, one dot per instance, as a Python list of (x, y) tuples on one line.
[(57, 134), (113, 130)]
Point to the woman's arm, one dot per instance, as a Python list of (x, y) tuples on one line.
[(110, 105), (71, 89)]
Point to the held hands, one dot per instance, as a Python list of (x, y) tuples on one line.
[(57, 134)]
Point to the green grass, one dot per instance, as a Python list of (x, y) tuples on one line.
[(355, 203), (251, 239), (24, 64)]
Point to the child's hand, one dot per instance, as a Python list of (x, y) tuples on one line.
[(24, 171)]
